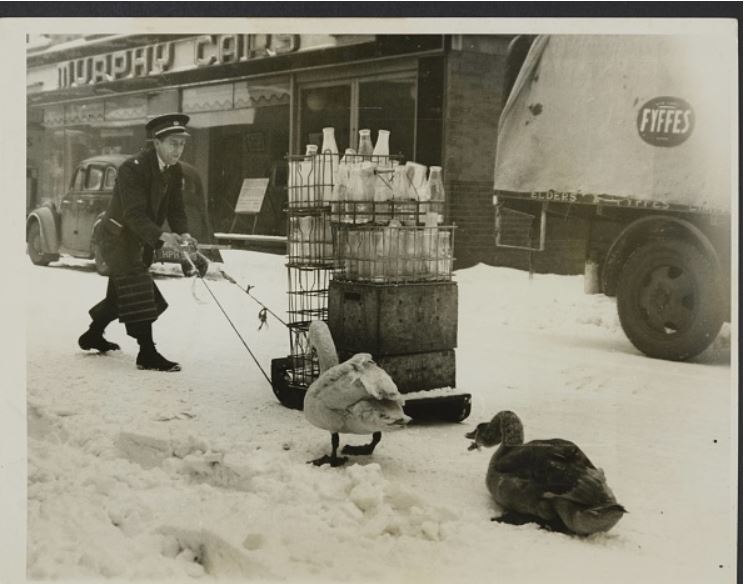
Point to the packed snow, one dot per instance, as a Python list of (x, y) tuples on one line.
[(141, 475)]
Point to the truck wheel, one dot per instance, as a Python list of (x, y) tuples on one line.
[(669, 300), (101, 266), (35, 249)]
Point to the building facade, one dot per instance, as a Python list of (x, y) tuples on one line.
[(255, 98)]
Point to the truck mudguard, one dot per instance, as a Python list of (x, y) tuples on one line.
[(645, 229)]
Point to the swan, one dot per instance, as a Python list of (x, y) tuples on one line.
[(551, 482), (353, 397)]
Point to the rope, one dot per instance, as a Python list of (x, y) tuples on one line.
[(265, 309), (255, 360), (193, 293), (236, 332)]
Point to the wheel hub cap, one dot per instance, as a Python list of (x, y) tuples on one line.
[(667, 299)]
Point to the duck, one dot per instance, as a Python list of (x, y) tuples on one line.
[(548, 482), (353, 397)]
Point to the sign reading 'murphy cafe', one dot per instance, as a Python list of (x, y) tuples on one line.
[(159, 57)]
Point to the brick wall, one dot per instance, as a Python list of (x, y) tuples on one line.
[(472, 107), (474, 88), (471, 207)]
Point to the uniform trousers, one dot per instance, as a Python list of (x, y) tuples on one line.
[(135, 300)]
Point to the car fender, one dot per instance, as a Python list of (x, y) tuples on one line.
[(45, 217), (642, 230)]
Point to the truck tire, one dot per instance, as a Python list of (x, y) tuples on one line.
[(669, 300), (35, 249)]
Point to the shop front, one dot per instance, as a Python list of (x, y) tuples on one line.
[(254, 99)]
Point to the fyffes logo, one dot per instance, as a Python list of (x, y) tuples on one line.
[(665, 121)]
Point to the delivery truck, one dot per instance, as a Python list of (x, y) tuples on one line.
[(634, 138)]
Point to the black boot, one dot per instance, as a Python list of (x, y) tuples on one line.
[(93, 339), (148, 357)]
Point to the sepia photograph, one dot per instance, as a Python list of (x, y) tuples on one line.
[(364, 299)]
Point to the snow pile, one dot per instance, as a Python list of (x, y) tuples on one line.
[(202, 474), (544, 301), (208, 512)]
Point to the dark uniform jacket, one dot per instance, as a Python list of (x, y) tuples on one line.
[(142, 200)]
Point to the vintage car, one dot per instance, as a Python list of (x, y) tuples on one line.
[(69, 228)]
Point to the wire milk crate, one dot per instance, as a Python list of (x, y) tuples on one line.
[(310, 181), (409, 213), (393, 253), (312, 197), (349, 186), (308, 301), (310, 262), (307, 293), (310, 239), (359, 229), (318, 179)]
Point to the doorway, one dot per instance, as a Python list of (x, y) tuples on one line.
[(241, 151)]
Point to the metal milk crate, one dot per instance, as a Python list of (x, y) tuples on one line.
[(418, 371), (393, 319)]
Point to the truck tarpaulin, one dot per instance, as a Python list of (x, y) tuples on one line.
[(645, 117)]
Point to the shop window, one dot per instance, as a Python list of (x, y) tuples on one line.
[(62, 151), (429, 110), (323, 107), (243, 144), (390, 105), (94, 179), (384, 102)]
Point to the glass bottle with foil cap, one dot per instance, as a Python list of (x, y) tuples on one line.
[(382, 146), (403, 209), (327, 166), (309, 191), (366, 194), (329, 142), (342, 186), (365, 143), (355, 191), (435, 186)]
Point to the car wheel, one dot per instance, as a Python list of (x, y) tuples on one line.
[(101, 266), (35, 249), (669, 300)]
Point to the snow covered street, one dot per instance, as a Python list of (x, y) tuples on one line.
[(202, 473)]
